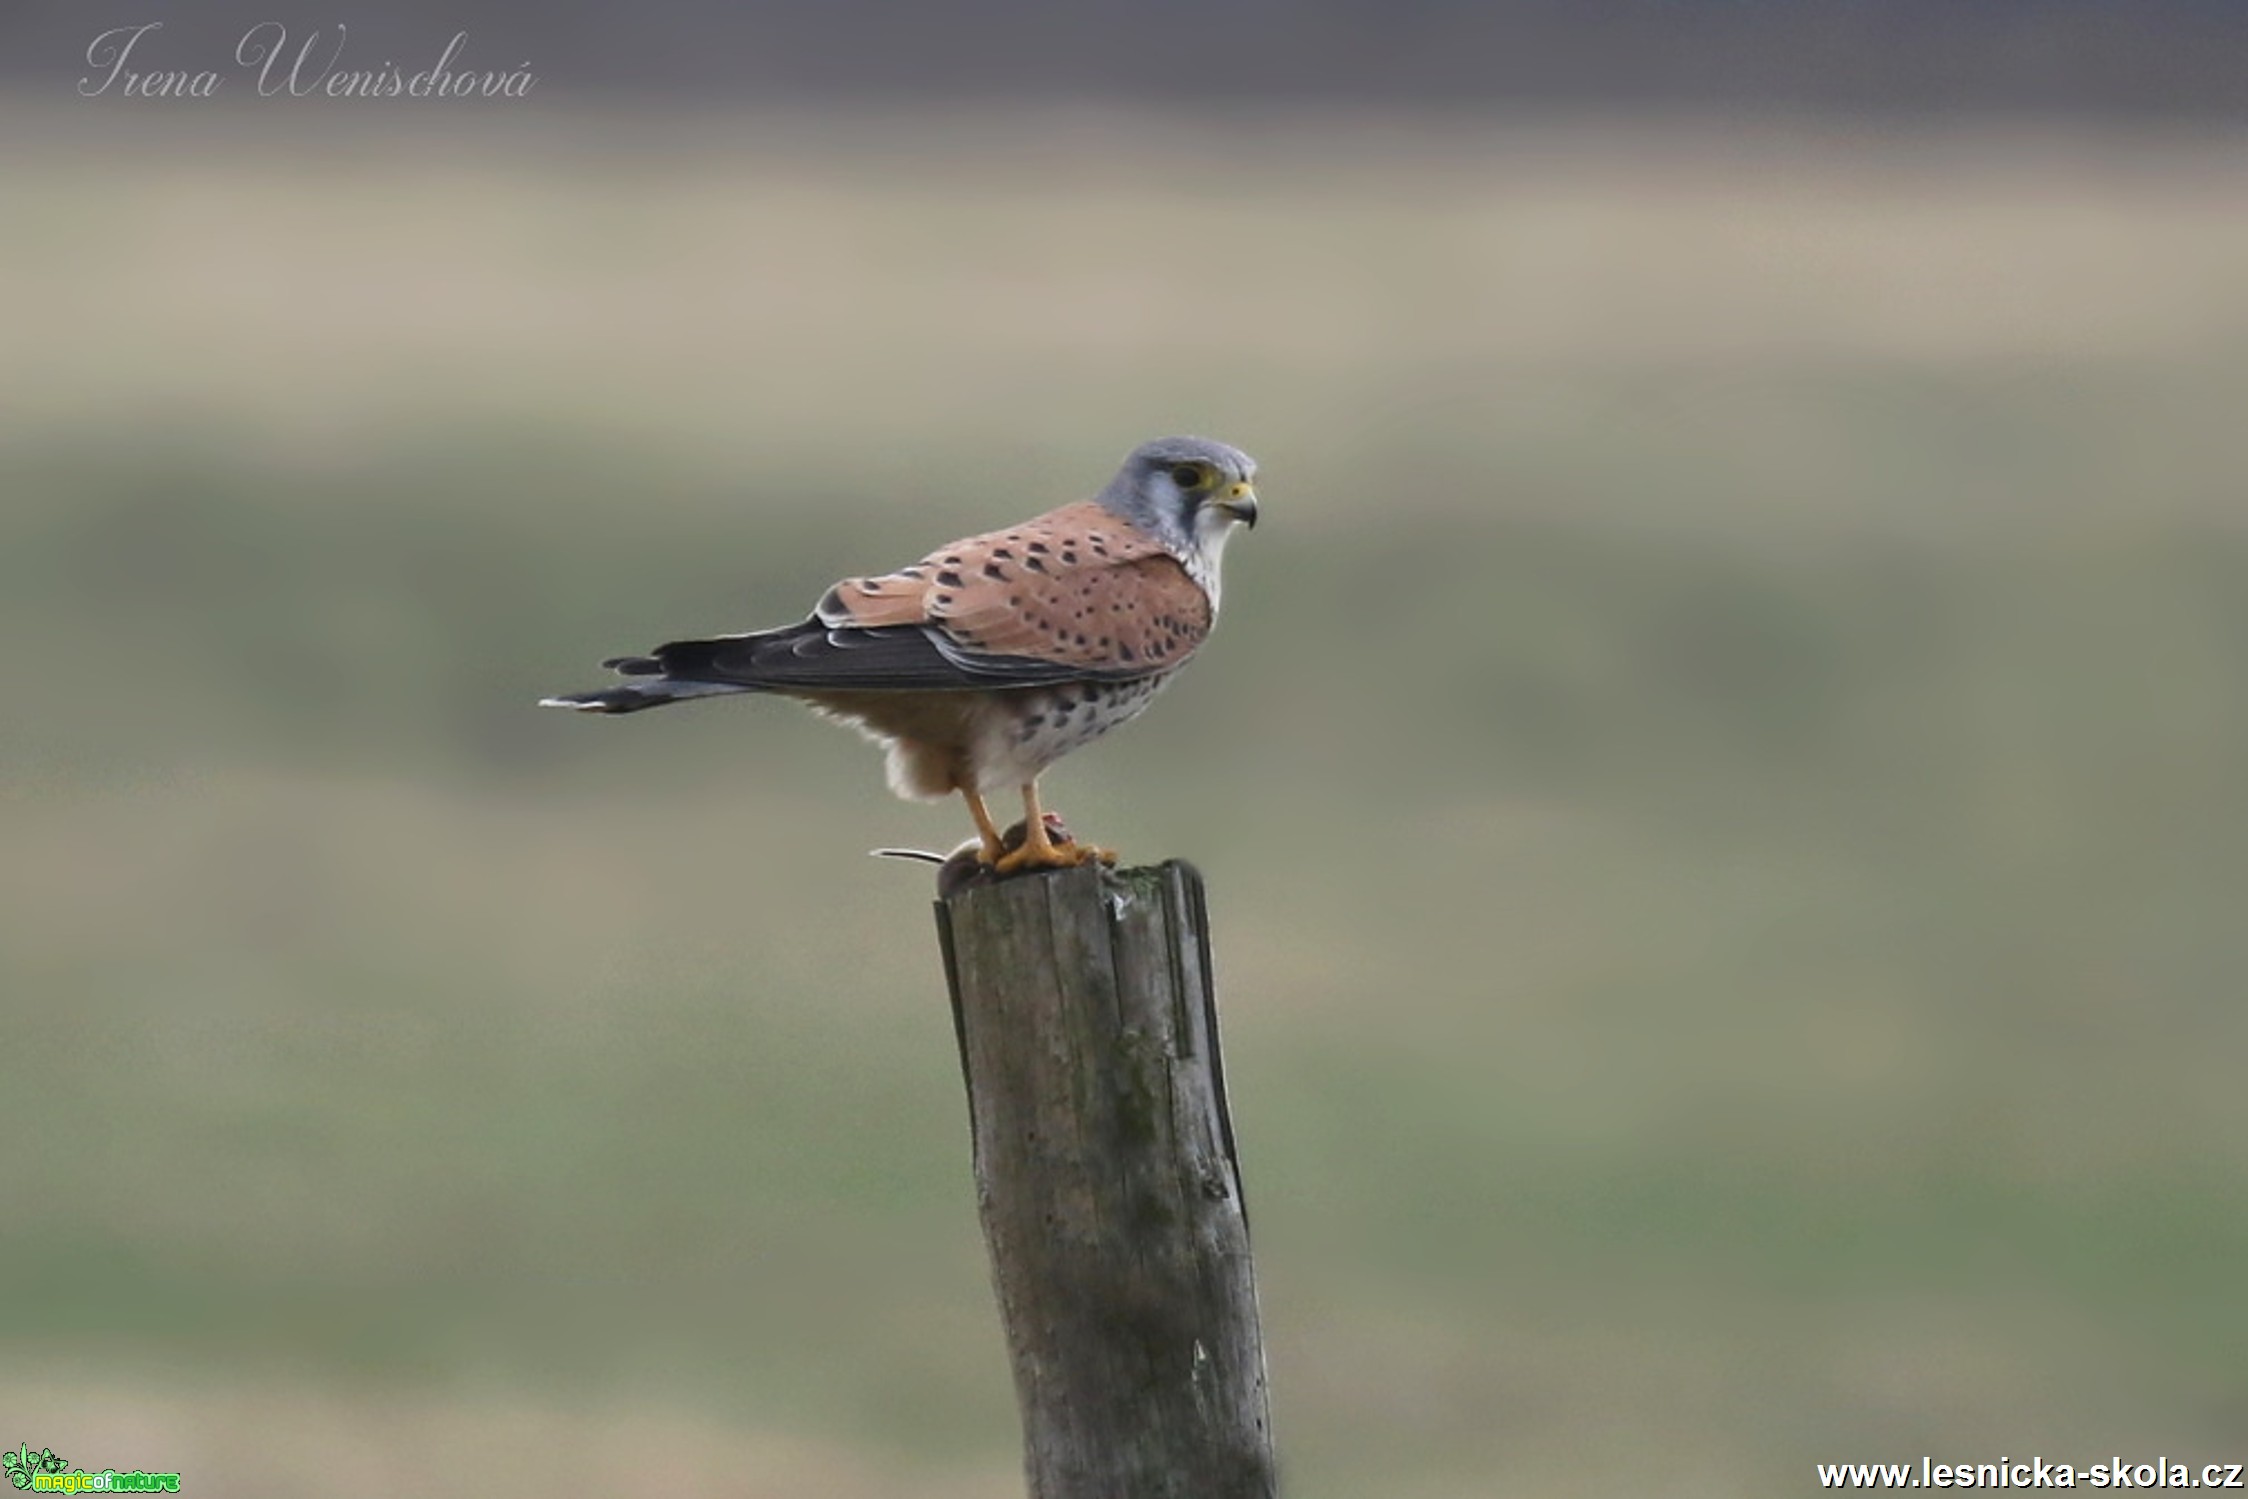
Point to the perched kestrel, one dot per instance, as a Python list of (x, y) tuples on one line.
[(990, 659)]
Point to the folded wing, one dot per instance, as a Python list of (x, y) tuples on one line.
[(1075, 591)]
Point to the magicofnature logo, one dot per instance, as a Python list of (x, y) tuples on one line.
[(49, 1474)]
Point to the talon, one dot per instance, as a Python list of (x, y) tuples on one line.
[(1041, 841)]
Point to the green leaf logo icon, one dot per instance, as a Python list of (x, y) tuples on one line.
[(23, 1464)]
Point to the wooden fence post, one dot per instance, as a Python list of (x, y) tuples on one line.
[(1107, 1182)]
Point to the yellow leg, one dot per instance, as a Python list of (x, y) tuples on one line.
[(993, 844), (1039, 850)]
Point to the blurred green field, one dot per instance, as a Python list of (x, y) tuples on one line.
[(1721, 780)]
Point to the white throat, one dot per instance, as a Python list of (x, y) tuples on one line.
[(1213, 528)]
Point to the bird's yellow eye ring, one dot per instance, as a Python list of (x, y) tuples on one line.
[(1190, 475)]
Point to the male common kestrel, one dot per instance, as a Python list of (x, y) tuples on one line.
[(990, 659)]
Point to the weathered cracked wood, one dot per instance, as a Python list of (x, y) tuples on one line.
[(1107, 1182)]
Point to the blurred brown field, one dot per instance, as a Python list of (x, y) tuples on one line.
[(1719, 777)]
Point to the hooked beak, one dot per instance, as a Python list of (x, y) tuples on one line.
[(1240, 502)]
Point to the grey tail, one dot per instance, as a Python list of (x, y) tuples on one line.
[(632, 697)]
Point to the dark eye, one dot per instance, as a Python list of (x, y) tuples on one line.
[(1190, 476)]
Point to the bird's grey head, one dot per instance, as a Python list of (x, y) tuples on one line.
[(1191, 494)]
